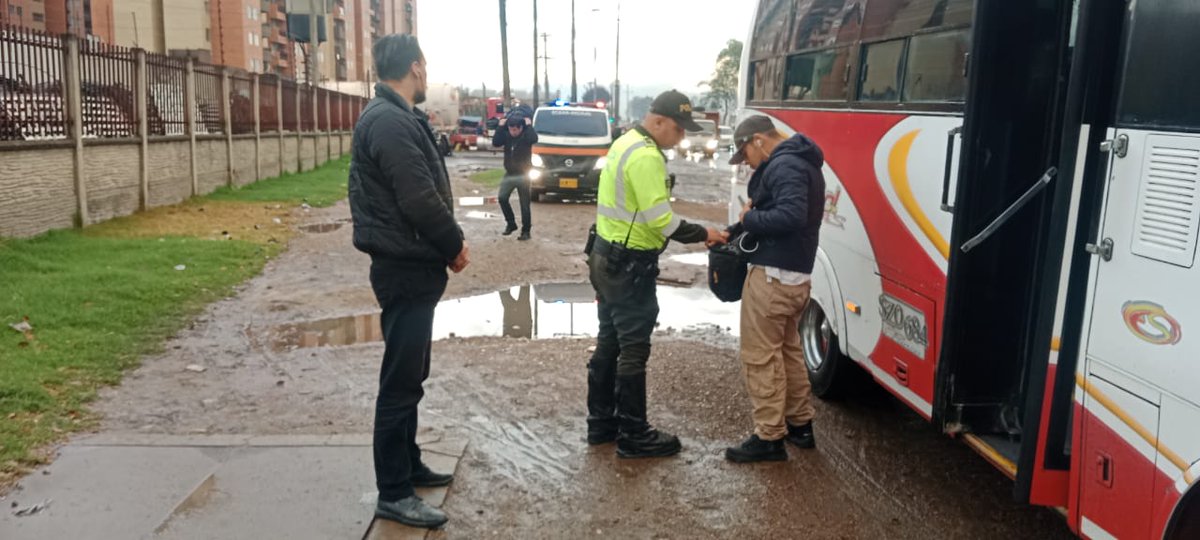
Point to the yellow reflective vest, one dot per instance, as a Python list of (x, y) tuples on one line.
[(633, 200)]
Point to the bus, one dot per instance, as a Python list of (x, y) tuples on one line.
[(1011, 216)]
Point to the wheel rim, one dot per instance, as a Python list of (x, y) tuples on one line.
[(816, 335)]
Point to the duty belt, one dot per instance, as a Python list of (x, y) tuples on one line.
[(604, 247)]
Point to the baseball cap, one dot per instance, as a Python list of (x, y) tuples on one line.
[(745, 132), (676, 106)]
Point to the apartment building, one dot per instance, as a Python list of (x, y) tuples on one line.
[(82, 18)]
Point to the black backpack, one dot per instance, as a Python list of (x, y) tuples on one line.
[(727, 267)]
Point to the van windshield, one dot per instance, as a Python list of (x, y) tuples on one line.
[(571, 123)]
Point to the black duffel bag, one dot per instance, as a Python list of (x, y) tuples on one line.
[(727, 267)]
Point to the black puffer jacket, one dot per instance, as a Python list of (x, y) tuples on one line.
[(400, 195), (788, 193)]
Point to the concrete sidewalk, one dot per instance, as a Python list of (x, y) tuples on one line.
[(125, 486)]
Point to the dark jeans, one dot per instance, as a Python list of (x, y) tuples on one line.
[(521, 184), (408, 296)]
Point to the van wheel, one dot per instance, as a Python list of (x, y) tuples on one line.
[(831, 373)]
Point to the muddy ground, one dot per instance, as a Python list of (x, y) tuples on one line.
[(879, 469)]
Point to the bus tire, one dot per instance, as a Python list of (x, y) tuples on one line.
[(830, 372), (1185, 520)]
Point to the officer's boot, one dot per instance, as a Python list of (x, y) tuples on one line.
[(601, 401), (636, 438)]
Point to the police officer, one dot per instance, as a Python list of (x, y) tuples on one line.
[(633, 223)]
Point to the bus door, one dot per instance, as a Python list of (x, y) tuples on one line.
[(1142, 344)]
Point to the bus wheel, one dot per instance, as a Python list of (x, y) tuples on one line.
[(830, 373)]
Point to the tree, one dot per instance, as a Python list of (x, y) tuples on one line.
[(639, 107), (723, 86), (504, 49), (597, 93)]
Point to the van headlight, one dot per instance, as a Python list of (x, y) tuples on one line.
[(685, 144), (535, 174), (537, 161), (600, 163), (711, 144)]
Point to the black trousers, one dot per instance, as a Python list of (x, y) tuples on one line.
[(521, 184), (628, 310), (408, 296)]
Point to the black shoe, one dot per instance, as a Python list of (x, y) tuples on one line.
[(755, 449), (597, 435), (524, 236), (651, 443), (425, 477), (509, 230), (801, 436), (411, 511), (636, 439)]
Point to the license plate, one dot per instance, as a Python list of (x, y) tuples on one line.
[(572, 183)]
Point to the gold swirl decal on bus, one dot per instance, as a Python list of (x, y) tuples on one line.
[(898, 170)]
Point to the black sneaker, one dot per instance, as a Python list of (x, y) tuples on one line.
[(755, 449), (524, 236), (411, 511), (425, 477), (801, 436), (509, 230)]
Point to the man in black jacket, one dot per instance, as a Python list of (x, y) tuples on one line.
[(784, 215), (404, 219), (515, 133)]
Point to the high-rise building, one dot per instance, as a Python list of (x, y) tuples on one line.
[(176, 27), (83, 18), (26, 13), (400, 16)]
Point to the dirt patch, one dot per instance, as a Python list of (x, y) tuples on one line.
[(213, 220)]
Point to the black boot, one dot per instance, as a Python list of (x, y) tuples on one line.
[(511, 228), (524, 236), (801, 436), (601, 401), (636, 438), (755, 449)]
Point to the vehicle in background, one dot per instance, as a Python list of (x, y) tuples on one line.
[(573, 140), (705, 141), (442, 107), (725, 138), (1019, 278), (494, 113), (468, 133)]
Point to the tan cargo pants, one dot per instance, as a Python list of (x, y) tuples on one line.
[(772, 358)]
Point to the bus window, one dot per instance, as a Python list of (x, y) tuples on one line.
[(817, 76), (768, 79), (1162, 67), (892, 18), (934, 70), (771, 30), (824, 23), (881, 71)]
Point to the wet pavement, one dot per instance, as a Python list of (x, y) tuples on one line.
[(289, 356)]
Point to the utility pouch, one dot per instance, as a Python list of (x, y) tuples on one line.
[(618, 258), (591, 241)]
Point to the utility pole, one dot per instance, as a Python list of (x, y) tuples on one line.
[(617, 70), (574, 85), (536, 97), (504, 50), (546, 65), (313, 44)]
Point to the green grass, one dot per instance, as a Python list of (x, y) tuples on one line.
[(101, 299), (489, 178), (320, 187)]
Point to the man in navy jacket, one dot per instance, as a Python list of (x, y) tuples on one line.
[(517, 136), (784, 214)]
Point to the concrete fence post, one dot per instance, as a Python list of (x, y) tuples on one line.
[(279, 119), (189, 118), (299, 130), (328, 124), (256, 99), (74, 110), (142, 92), (227, 117), (316, 123)]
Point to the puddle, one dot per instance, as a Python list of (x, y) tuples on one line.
[(696, 259), (322, 227), (544, 311), (477, 201)]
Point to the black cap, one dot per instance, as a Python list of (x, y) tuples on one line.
[(745, 132), (676, 106)]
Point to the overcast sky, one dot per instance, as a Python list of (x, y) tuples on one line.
[(665, 43)]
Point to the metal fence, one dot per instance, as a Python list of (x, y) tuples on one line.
[(166, 93), (36, 94), (268, 103), (241, 104)]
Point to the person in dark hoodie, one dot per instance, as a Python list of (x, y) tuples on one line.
[(515, 133), (783, 215)]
